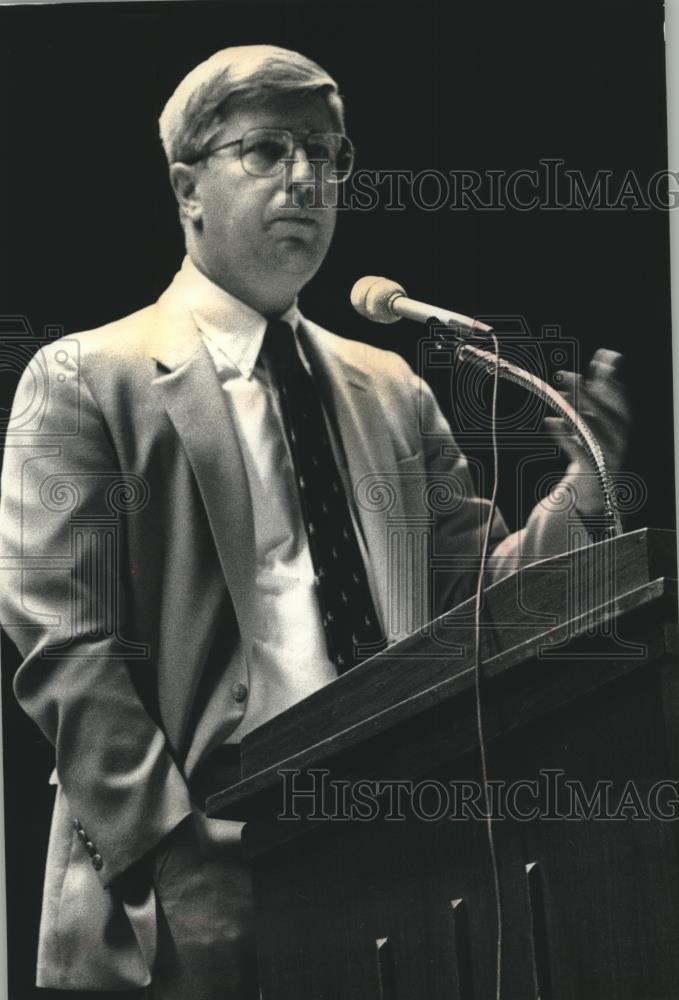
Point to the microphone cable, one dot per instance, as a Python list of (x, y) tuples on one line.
[(478, 678), (478, 665)]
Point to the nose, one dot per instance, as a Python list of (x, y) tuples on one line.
[(302, 171), (303, 180)]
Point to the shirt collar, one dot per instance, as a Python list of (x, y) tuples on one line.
[(234, 328)]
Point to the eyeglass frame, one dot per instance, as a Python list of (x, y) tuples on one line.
[(280, 163)]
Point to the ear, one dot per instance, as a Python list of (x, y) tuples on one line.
[(185, 187)]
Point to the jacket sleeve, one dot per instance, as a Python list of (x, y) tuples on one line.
[(552, 527), (62, 604)]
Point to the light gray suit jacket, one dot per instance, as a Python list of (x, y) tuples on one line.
[(127, 553)]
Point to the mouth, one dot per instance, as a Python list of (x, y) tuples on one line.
[(304, 221)]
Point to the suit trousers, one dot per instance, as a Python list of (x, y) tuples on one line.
[(206, 932)]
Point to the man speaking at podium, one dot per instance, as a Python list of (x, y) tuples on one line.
[(188, 554)]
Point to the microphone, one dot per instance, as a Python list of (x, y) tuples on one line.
[(385, 301)]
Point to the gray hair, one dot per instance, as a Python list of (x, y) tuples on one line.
[(200, 101)]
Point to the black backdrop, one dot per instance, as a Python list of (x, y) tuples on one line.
[(90, 229)]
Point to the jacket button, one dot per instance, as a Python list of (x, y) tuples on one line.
[(97, 862), (239, 691), (89, 847), (76, 824), (82, 836)]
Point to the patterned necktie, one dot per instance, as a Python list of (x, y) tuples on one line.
[(346, 604)]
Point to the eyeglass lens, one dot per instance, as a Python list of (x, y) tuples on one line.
[(263, 151)]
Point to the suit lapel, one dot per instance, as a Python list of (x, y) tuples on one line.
[(198, 408), (369, 450)]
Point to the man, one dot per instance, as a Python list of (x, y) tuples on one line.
[(173, 581)]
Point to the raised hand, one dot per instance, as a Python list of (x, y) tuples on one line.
[(601, 400)]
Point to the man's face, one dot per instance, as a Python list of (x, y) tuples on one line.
[(263, 238)]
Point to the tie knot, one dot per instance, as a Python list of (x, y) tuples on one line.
[(279, 344)]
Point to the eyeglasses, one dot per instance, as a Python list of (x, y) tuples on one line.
[(265, 151)]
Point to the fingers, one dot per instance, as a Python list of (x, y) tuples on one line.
[(606, 363), (603, 374), (601, 400), (601, 392), (605, 366)]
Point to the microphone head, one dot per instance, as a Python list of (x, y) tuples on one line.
[(372, 297)]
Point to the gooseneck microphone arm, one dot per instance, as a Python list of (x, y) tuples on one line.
[(512, 373), (385, 301)]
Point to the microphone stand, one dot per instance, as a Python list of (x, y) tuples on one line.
[(550, 396)]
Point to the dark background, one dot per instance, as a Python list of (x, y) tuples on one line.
[(90, 227)]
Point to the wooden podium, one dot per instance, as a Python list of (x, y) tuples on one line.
[(379, 884)]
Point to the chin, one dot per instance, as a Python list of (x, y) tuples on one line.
[(297, 254), (300, 261)]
